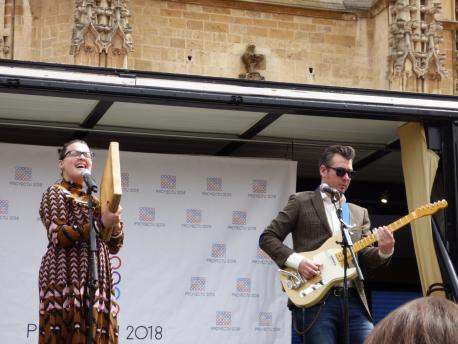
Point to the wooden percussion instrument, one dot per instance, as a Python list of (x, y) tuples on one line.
[(110, 186)]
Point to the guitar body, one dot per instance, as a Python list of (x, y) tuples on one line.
[(332, 273)]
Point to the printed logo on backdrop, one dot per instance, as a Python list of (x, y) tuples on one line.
[(194, 219), (125, 183), (23, 177), (215, 188), (239, 218), (223, 322), (198, 287), (115, 266), (262, 257), (4, 211), (168, 184), (243, 288), (147, 218), (3, 207), (218, 255), (259, 189), (265, 323)]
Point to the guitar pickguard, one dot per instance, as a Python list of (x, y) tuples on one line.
[(310, 292)]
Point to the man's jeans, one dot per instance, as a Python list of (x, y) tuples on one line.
[(324, 323)]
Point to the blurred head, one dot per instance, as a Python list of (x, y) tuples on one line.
[(336, 166), (427, 320), (75, 156)]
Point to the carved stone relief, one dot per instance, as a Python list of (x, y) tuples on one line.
[(102, 35), (415, 61), (252, 62), (6, 28)]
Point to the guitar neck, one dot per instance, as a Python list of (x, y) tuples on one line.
[(425, 210), (370, 239)]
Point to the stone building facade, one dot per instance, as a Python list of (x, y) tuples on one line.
[(407, 45)]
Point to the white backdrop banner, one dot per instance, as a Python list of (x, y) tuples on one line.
[(190, 271)]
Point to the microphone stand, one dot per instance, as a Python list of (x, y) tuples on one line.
[(94, 276), (346, 244)]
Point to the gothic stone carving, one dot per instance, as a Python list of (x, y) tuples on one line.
[(414, 40), (6, 27), (252, 61), (102, 35)]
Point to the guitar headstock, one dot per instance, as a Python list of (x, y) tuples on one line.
[(430, 208)]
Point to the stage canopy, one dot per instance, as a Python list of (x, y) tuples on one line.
[(47, 104)]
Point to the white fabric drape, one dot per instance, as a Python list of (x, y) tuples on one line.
[(419, 166)]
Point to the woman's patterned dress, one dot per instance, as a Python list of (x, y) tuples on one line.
[(64, 270)]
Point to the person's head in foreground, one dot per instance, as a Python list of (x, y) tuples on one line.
[(427, 320)]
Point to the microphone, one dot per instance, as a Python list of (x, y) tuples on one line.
[(90, 182), (326, 188)]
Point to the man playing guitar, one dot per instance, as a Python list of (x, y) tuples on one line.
[(311, 219)]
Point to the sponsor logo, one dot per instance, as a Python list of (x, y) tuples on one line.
[(115, 266), (219, 250), (265, 323), (23, 177), (214, 184), (168, 184), (223, 322), (193, 216), (243, 285), (239, 217), (218, 255), (198, 287), (125, 183), (265, 319), (146, 214), (3, 207), (125, 179), (223, 318), (197, 284), (23, 174), (258, 186), (215, 188), (259, 189), (147, 218), (243, 288), (4, 211), (239, 221), (194, 219), (262, 257)]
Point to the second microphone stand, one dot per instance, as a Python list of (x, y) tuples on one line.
[(347, 245)]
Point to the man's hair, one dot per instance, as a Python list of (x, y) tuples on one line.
[(431, 320), (345, 151), (62, 151)]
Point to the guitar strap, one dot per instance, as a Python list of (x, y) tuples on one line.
[(346, 213)]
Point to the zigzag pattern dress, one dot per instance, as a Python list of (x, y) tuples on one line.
[(64, 270)]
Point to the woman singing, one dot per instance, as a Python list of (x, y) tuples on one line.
[(65, 268)]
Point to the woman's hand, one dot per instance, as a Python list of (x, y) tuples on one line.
[(110, 219)]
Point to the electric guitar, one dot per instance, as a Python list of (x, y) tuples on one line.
[(306, 293)]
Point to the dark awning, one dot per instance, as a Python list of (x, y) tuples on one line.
[(154, 112)]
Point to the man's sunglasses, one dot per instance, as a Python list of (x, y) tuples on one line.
[(340, 171)]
